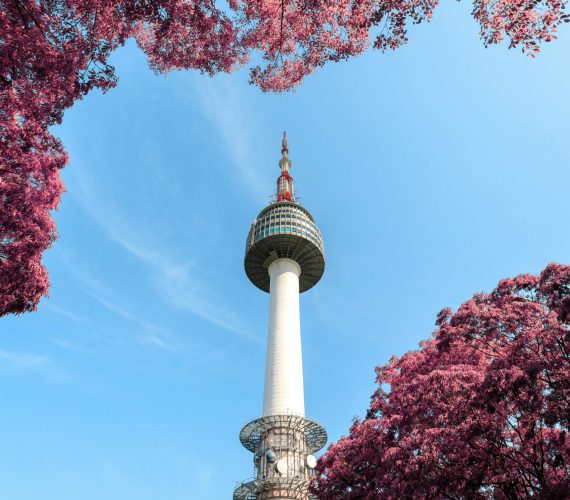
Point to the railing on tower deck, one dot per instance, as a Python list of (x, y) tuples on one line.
[(315, 433), (251, 488)]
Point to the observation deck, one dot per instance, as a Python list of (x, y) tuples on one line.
[(284, 229)]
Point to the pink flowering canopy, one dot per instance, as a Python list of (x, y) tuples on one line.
[(53, 52), (481, 410)]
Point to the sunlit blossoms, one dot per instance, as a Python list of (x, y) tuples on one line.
[(55, 51), (481, 410)]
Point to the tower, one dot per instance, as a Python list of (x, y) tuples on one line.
[(284, 256)]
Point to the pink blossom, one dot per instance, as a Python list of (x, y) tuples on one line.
[(481, 410)]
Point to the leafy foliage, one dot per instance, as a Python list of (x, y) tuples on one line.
[(53, 52), (481, 410)]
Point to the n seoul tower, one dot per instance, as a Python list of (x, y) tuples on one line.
[(284, 256)]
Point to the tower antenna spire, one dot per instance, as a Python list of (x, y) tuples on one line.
[(285, 181), (284, 149)]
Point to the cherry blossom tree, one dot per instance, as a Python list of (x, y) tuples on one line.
[(481, 410), (53, 52)]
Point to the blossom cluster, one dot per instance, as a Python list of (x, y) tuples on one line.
[(481, 410)]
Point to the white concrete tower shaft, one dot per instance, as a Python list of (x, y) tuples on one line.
[(283, 391), (284, 256)]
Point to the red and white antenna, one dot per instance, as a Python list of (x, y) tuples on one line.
[(285, 181)]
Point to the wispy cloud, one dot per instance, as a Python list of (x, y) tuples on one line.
[(149, 332), (62, 312), (22, 361), (26, 362), (175, 280), (224, 105)]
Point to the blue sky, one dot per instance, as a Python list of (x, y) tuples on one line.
[(432, 172)]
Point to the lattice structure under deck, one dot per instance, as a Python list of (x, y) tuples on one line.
[(281, 445)]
